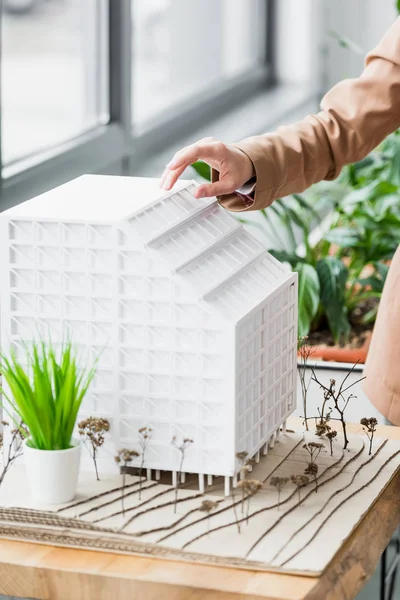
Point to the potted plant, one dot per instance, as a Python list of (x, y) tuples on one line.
[(343, 268), (46, 395)]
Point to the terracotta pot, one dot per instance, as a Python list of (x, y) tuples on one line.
[(345, 355)]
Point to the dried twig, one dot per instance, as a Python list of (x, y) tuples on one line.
[(125, 456), (340, 403), (305, 351), (92, 432), (144, 439), (14, 449), (182, 447)]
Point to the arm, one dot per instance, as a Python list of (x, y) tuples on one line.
[(356, 115)]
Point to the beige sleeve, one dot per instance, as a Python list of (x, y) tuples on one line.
[(356, 115)]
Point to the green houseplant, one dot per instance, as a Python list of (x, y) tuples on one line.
[(45, 393), (343, 270)]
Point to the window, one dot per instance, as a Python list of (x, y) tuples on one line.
[(93, 86), (183, 49), (54, 72)]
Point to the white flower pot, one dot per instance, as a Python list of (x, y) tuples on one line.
[(53, 474)]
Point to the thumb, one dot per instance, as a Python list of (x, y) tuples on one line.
[(219, 188)]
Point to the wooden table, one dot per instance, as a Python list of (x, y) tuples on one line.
[(50, 573)]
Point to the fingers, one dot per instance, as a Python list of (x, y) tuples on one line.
[(169, 177), (204, 149), (207, 149), (219, 188)]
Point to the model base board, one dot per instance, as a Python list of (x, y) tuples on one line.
[(301, 534)]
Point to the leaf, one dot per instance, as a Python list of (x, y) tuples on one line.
[(374, 283), (382, 270), (202, 169), (308, 295), (333, 276), (306, 206), (346, 42), (345, 237), (47, 395)]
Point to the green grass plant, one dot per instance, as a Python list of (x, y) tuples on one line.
[(47, 393)]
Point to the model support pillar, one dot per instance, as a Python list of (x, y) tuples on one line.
[(201, 483), (272, 441), (227, 486)]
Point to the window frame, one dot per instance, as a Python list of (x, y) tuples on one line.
[(113, 148)]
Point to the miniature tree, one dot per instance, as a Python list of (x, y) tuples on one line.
[(123, 458), (305, 352), (279, 483), (92, 432), (245, 468), (369, 426), (144, 439), (312, 469), (335, 400), (14, 449), (322, 428), (249, 488), (299, 481), (314, 449), (331, 435), (207, 506), (182, 447)]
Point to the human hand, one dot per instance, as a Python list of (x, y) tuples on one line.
[(234, 166)]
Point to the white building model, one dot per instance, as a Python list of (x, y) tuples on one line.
[(196, 322)]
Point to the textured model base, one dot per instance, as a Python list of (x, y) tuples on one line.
[(280, 526)]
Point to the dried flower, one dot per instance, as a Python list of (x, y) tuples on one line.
[(249, 487), (312, 469), (207, 506), (92, 431), (299, 481), (314, 449), (125, 456), (369, 426), (331, 437), (279, 483), (305, 351), (242, 456), (182, 447)]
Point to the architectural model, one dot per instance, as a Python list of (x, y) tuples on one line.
[(194, 322), (301, 532)]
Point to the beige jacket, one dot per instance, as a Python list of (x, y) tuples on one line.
[(356, 115)]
